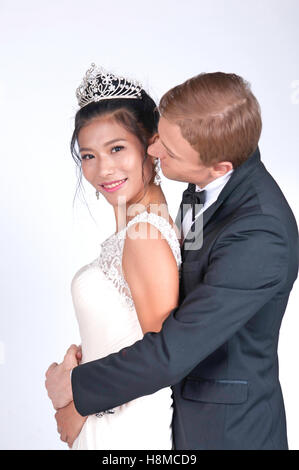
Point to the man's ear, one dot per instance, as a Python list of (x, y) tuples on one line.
[(221, 168)]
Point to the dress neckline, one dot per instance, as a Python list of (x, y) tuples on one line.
[(115, 234)]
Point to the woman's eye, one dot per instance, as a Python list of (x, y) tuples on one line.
[(118, 147), (86, 157)]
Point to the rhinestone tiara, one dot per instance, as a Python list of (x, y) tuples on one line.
[(98, 84)]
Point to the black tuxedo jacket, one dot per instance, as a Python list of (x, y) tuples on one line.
[(218, 349)]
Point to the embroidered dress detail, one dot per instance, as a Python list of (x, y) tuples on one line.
[(110, 259), (108, 322)]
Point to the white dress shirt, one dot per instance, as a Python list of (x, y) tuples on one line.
[(213, 190)]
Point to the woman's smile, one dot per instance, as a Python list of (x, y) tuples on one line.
[(114, 186)]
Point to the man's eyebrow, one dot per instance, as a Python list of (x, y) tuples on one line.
[(105, 144), (170, 151)]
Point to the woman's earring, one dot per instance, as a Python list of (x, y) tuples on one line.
[(157, 179), (97, 194)]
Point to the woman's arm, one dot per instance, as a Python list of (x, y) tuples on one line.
[(151, 272)]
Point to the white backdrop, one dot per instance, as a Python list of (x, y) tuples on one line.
[(46, 47)]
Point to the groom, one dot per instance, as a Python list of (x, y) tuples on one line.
[(218, 348)]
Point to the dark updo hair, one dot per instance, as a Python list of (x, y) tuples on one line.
[(138, 116)]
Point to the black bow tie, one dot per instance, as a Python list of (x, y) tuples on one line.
[(190, 196)]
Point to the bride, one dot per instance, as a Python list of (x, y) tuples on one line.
[(133, 285)]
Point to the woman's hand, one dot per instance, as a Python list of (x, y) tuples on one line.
[(69, 423)]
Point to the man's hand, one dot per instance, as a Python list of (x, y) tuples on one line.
[(69, 423), (58, 381)]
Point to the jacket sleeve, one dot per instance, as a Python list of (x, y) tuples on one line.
[(248, 265)]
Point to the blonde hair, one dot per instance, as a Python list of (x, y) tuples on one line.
[(217, 114)]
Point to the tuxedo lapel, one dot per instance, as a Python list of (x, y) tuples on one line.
[(240, 174)]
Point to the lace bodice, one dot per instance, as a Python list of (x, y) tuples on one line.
[(110, 259), (108, 322)]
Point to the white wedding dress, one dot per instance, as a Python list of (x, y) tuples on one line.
[(108, 322)]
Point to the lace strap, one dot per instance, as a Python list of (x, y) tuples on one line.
[(163, 226)]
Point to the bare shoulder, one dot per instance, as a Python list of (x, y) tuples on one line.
[(144, 230), (150, 269), (145, 243)]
